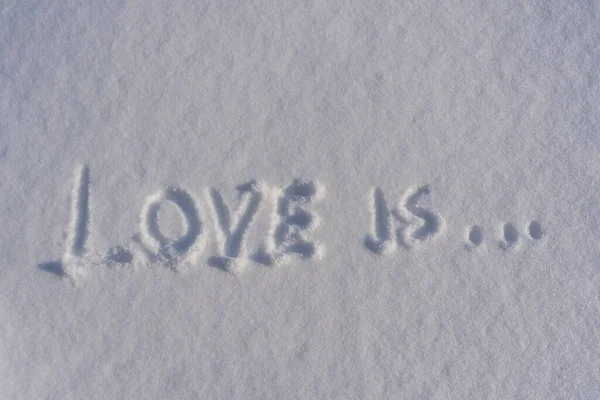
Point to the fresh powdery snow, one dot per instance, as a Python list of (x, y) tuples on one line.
[(299, 199)]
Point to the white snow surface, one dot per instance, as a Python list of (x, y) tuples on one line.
[(437, 163)]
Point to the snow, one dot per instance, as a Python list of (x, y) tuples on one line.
[(256, 200)]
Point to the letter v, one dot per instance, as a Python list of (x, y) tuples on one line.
[(231, 230)]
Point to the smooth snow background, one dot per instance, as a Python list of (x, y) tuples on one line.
[(495, 104)]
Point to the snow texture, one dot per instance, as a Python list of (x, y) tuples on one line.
[(311, 199)]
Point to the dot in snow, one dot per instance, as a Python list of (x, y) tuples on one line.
[(511, 234), (535, 230), (475, 235)]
